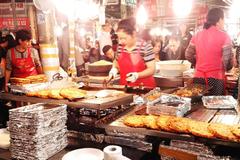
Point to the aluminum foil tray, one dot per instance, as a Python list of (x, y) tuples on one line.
[(219, 102), (170, 105)]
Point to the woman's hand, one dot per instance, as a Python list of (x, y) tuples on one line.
[(132, 77), (113, 73)]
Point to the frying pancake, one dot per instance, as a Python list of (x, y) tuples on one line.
[(236, 130), (200, 129), (150, 121), (179, 124), (19, 81), (222, 131), (134, 121), (72, 93), (55, 93), (43, 93), (163, 122), (40, 78), (31, 94)]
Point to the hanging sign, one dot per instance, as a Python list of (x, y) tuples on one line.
[(22, 23)]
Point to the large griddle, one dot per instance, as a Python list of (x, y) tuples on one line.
[(200, 114)]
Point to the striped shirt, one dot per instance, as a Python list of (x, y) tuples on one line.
[(34, 55), (146, 51)]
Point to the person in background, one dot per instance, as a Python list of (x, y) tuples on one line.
[(185, 37), (135, 59), (11, 41), (105, 36), (145, 35), (36, 45), (108, 53), (211, 51), (22, 60), (114, 39), (3, 52), (173, 50), (79, 61), (94, 55), (237, 55), (157, 48), (162, 54), (85, 56)]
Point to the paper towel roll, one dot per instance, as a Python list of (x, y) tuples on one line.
[(111, 152)]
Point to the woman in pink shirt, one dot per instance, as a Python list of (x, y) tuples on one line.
[(210, 51)]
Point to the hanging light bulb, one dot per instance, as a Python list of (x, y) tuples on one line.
[(141, 15), (182, 8)]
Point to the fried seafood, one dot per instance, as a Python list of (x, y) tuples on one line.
[(43, 93), (179, 124), (236, 130), (200, 129), (55, 93), (134, 121), (163, 122), (72, 93), (151, 121), (222, 131)]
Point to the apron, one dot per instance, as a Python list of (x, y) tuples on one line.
[(218, 74), (129, 62), (23, 67)]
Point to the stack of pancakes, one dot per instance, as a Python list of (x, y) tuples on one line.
[(41, 78)]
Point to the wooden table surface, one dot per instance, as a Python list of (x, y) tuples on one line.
[(92, 102)]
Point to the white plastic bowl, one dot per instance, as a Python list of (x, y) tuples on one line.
[(172, 68)]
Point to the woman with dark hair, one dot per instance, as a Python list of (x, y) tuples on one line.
[(135, 59), (22, 60), (210, 50)]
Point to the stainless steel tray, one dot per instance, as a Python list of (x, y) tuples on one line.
[(219, 102)]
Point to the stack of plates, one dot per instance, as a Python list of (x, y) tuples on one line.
[(37, 131)]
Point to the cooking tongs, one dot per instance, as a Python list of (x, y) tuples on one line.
[(107, 81), (56, 77)]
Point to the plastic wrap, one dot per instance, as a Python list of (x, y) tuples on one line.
[(37, 131)]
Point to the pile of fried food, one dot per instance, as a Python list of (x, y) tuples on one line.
[(153, 96), (185, 125), (101, 63), (189, 91), (40, 78), (68, 93)]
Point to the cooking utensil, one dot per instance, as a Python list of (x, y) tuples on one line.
[(56, 76), (107, 81)]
